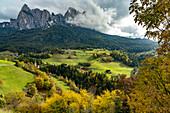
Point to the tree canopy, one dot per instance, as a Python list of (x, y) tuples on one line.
[(154, 15), (151, 94)]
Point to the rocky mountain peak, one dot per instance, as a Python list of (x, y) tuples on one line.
[(36, 18), (25, 7), (71, 13)]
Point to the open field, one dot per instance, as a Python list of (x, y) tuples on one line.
[(6, 62), (14, 78), (115, 67), (97, 66), (7, 53), (61, 84)]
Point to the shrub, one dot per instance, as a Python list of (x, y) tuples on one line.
[(35, 108), (39, 82), (47, 85), (85, 64), (69, 82), (58, 90), (2, 102), (13, 99), (37, 98), (32, 90), (69, 57), (52, 91), (107, 59), (74, 87), (19, 64), (60, 78)]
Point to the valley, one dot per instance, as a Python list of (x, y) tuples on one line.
[(97, 65), (92, 59), (14, 78)]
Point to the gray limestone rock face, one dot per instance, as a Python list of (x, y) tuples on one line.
[(58, 19), (14, 23), (25, 18), (71, 13), (4, 24), (36, 18)]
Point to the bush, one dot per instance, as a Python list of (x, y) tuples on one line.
[(48, 85), (74, 87), (2, 102), (39, 82), (13, 99), (19, 64), (60, 78), (69, 82), (32, 90), (107, 59), (87, 64), (35, 108), (69, 57)]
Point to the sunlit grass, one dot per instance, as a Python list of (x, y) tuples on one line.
[(14, 78), (62, 84), (115, 67), (6, 62)]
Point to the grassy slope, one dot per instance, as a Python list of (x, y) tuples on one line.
[(6, 53), (115, 67), (61, 84), (5, 62), (14, 78)]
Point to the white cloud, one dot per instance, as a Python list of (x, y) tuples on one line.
[(129, 28), (95, 17)]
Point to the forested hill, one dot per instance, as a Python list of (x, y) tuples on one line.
[(70, 36)]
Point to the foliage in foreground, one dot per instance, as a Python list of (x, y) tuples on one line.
[(66, 102), (154, 15), (152, 92)]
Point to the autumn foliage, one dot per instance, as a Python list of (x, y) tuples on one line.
[(151, 94)]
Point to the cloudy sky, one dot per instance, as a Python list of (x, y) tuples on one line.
[(107, 16)]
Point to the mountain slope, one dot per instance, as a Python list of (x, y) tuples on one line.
[(69, 36), (14, 78)]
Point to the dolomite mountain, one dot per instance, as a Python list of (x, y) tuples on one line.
[(36, 18)]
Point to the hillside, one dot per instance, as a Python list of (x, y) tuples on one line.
[(14, 78), (97, 66), (69, 36)]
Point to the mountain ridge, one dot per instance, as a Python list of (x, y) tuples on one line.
[(36, 18), (25, 34), (70, 36)]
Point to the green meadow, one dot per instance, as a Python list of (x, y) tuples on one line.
[(14, 78), (5, 62), (86, 56), (62, 84)]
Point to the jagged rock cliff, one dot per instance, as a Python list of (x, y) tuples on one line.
[(36, 18), (4, 24), (71, 13)]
